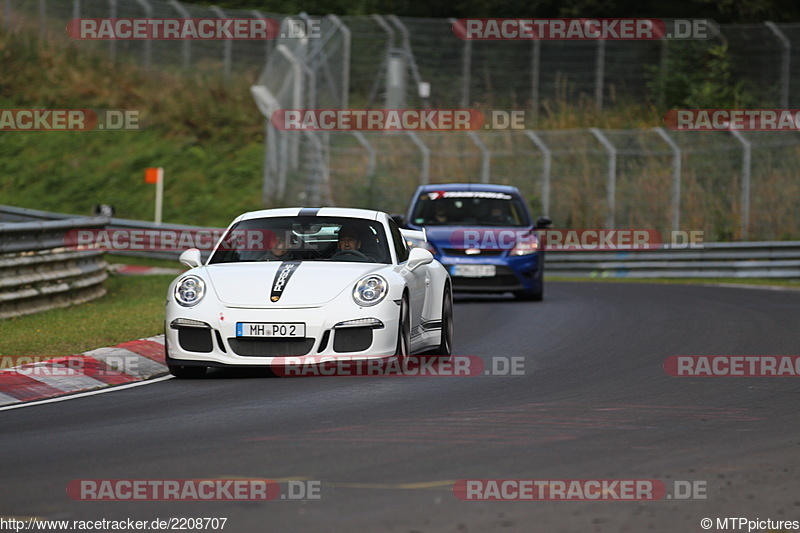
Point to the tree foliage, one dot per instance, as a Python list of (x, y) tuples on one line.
[(722, 11)]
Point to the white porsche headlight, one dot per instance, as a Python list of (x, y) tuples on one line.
[(370, 290), (189, 291)]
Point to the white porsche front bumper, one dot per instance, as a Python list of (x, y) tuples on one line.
[(194, 339)]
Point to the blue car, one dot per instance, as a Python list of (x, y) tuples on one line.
[(483, 234)]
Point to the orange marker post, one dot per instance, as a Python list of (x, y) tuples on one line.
[(155, 175)]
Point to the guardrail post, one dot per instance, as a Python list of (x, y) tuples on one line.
[(611, 186), (676, 177), (747, 148), (546, 164)]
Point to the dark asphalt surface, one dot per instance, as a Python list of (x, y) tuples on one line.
[(595, 403)]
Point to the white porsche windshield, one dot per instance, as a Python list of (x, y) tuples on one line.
[(304, 239)]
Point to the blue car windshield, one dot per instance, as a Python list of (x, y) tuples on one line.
[(304, 239), (469, 208)]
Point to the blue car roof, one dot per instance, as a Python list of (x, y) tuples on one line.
[(487, 187)]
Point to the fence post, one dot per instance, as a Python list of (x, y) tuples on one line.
[(112, 43), (676, 177), (786, 59), (42, 18), (186, 44), (466, 66), (298, 68), (535, 73), (269, 43), (318, 176), (7, 14), (486, 156), (546, 165), (227, 47), (373, 94), (371, 153), (663, 67), (425, 171), (747, 148), (407, 51), (599, 74), (611, 187), (148, 43), (345, 61)]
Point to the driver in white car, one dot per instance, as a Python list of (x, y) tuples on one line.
[(349, 239)]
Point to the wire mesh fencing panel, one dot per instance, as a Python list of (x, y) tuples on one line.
[(774, 188)]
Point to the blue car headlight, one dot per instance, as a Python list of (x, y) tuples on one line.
[(525, 246)]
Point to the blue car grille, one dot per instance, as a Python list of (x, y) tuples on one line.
[(463, 253)]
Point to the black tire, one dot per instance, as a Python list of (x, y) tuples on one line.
[(187, 372), (403, 334), (445, 349)]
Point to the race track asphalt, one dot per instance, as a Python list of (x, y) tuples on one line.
[(594, 403)]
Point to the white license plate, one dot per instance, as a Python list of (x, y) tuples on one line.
[(474, 271), (271, 329)]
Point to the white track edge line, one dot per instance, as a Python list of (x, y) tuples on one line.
[(84, 394)]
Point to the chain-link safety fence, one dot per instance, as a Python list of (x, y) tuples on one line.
[(730, 185)]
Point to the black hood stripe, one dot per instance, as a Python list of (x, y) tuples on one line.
[(281, 280), (308, 212)]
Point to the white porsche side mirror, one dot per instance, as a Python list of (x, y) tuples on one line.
[(418, 257), (191, 258)]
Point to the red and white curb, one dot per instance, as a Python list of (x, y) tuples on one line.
[(124, 363)]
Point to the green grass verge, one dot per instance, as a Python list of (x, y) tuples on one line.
[(143, 261), (132, 309)]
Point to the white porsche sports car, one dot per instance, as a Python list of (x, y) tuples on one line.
[(307, 282)]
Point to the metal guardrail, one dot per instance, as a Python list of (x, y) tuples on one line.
[(779, 259), (37, 272), (20, 214)]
